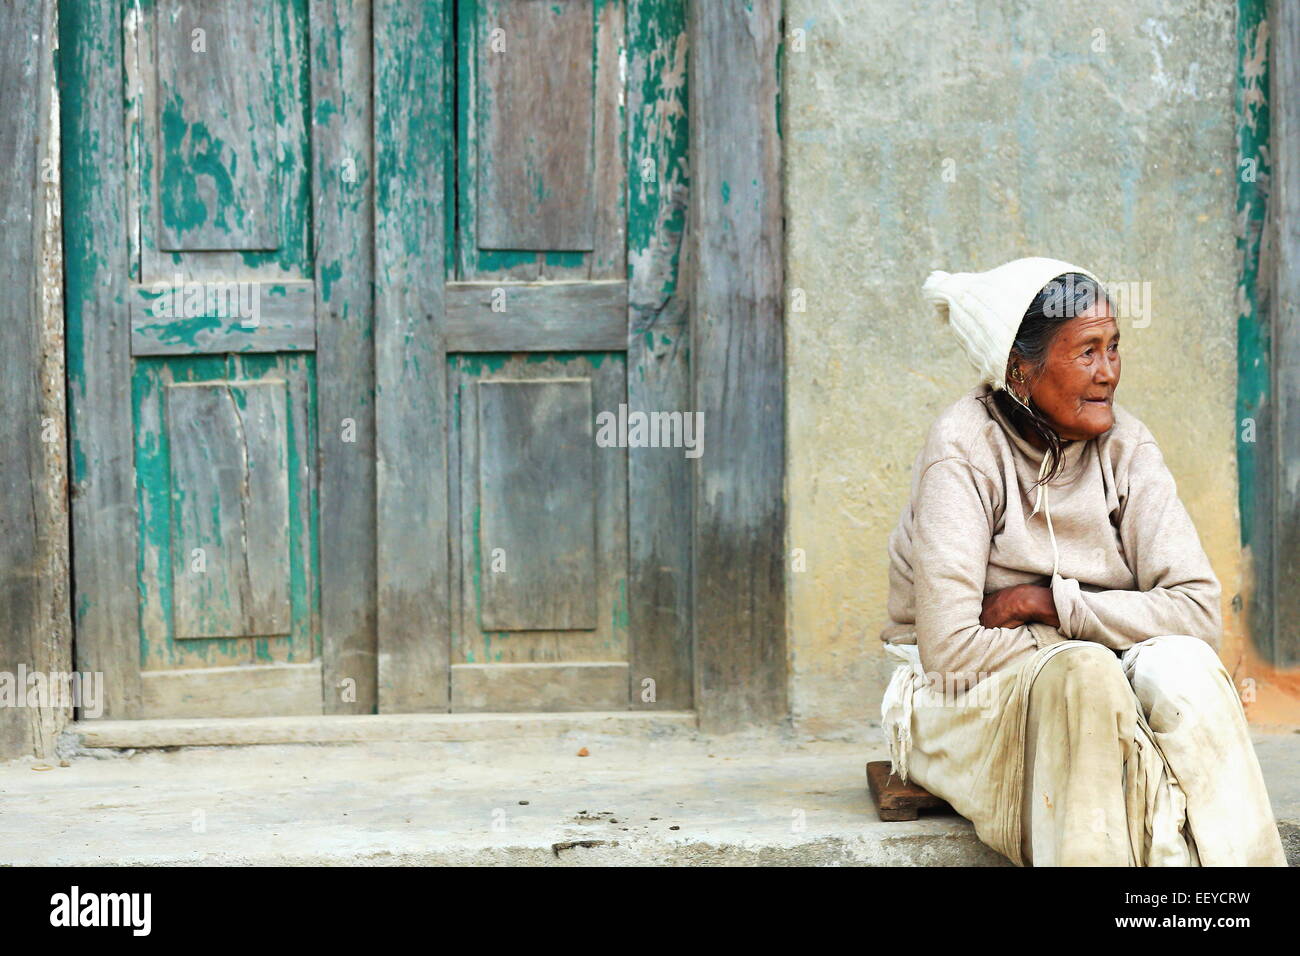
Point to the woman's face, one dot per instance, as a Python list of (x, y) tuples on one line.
[(1076, 388)]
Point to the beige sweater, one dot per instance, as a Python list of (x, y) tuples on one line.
[(1130, 563)]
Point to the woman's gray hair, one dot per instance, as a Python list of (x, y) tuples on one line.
[(1066, 297)]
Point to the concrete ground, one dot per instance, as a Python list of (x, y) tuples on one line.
[(650, 794)]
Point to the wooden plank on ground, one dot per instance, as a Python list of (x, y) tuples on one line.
[(896, 800)]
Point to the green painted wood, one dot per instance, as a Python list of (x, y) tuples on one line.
[(93, 126), (272, 242), (343, 217), (199, 318), (164, 498), (738, 364), (218, 447), (217, 109), (1256, 428), (227, 442), (658, 356), (413, 123)]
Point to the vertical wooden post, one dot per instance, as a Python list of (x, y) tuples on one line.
[(342, 187), (35, 629), (104, 522), (411, 124), (658, 353), (738, 363)]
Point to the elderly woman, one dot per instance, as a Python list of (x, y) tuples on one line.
[(1056, 615)]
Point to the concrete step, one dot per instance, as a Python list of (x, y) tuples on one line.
[(634, 799)]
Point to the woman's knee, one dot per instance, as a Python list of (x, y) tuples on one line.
[(1173, 658), (1089, 668)]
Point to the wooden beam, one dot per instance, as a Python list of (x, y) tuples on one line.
[(240, 317), (104, 525), (342, 184), (738, 363), (36, 631), (536, 317), (658, 354), (412, 117)]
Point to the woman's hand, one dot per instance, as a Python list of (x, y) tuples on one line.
[(1019, 604)]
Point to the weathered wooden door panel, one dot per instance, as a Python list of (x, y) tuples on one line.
[(217, 168), (540, 540), (220, 305), (536, 181), (244, 274), (541, 175), (537, 328), (539, 537)]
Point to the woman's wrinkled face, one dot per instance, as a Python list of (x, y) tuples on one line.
[(1076, 387)]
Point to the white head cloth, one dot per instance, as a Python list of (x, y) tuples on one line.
[(985, 308)]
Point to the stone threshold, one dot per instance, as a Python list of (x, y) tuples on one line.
[(366, 728)]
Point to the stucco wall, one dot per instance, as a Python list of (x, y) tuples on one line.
[(1098, 134)]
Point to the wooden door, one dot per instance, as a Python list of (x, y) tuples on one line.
[(201, 490), (384, 492), (563, 582)]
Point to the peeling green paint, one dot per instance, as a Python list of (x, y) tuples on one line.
[(1254, 338)]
